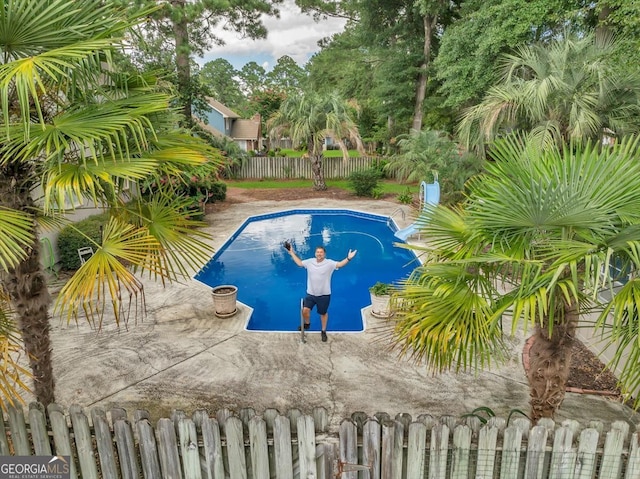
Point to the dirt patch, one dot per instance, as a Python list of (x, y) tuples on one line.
[(240, 195), (588, 373)]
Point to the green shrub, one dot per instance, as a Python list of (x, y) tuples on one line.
[(199, 185), (380, 289), (380, 165), (217, 191), (406, 197), (71, 238), (365, 182)]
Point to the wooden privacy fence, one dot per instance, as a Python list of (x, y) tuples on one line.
[(295, 445), (295, 168)]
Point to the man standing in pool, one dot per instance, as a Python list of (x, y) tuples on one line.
[(319, 271)]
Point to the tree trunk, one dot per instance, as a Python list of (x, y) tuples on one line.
[(318, 172), (603, 29), (421, 89), (30, 299), (183, 65), (549, 364)]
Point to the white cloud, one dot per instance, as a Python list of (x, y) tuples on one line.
[(293, 34)]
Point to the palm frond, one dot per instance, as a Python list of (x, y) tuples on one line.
[(182, 248), (16, 236), (12, 373), (620, 327), (445, 317), (563, 90)]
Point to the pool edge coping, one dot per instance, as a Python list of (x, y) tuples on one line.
[(291, 211)]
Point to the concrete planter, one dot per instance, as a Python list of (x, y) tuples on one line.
[(380, 305), (224, 300)]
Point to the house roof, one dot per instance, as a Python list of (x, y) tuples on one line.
[(226, 112), (210, 129), (245, 129)]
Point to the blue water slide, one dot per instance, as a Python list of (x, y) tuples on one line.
[(429, 195)]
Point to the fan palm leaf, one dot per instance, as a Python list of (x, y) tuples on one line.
[(75, 127), (565, 90), (308, 119), (534, 241)]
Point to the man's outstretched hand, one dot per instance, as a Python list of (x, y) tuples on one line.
[(287, 245)]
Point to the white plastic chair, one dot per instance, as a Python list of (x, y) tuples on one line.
[(85, 253)]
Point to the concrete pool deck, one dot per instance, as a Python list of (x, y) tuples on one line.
[(180, 356)]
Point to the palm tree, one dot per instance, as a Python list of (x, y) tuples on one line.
[(571, 89), (309, 118), (75, 127), (421, 154), (534, 241), (429, 153)]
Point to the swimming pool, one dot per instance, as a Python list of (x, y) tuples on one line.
[(254, 260)]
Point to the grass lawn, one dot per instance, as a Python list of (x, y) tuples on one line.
[(326, 154), (386, 186)]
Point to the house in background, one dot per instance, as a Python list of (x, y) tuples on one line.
[(247, 133)]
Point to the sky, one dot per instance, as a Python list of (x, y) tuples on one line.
[(293, 34)]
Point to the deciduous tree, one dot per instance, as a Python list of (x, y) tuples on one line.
[(187, 28), (485, 30)]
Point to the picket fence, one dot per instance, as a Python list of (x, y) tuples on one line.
[(296, 168), (245, 445)]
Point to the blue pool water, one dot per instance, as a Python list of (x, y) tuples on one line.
[(268, 280)]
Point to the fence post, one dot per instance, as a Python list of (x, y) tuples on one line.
[(511, 444), (633, 464), (282, 447), (487, 441), (18, 430), (61, 436), (126, 449), (235, 448), (438, 451), (563, 457), (611, 455), (39, 434), (416, 449), (4, 443), (168, 448), (586, 460), (371, 447), (461, 448), (535, 452), (189, 448), (329, 460), (148, 450), (348, 447), (307, 447), (258, 447), (104, 442), (84, 443), (214, 463), (387, 454)]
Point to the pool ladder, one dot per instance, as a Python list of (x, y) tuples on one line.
[(397, 210)]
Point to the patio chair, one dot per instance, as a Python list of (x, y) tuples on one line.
[(85, 253)]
